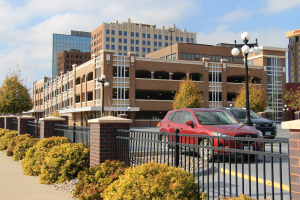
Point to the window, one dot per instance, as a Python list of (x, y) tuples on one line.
[(155, 36), (125, 49), (120, 40), (148, 42), (132, 41), (90, 76), (239, 60), (181, 39), (159, 37), (144, 42), (137, 55), (125, 41), (177, 39), (143, 55), (77, 98), (83, 96), (166, 37), (112, 46), (83, 79), (136, 34), (159, 44), (166, 44), (187, 39), (144, 50), (137, 42), (177, 117), (192, 39), (148, 50), (144, 35), (155, 49), (78, 81), (107, 31), (148, 35), (136, 48), (120, 47), (131, 48), (120, 32), (107, 46), (90, 96), (112, 32), (112, 39), (120, 54), (132, 34), (125, 33), (155, 44)]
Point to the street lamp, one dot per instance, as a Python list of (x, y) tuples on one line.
[(285, 109), (104, 82), (246, 50)]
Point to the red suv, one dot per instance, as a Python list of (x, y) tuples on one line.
[(210, 122)]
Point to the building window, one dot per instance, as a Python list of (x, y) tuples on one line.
[(136, 34), (120, 54), (192, 40), (112, 46), (155, 44), (132, 34), (120, 40), (148, 50), (107, 31), (78, 81), (125, 33), (77, 98), (137, 42), (159, 44), (137, 55), (144, 35), (131, 48), (90, 96), (181, 39), (239, 60), (107, 46), (166, 37), (144, 50), (136, 48), (125, 41), (148, 35), (187, 39), (159, 37), (112, 32), (144, 42), (125, 48), (112, 39), (148, 42), (155, 49), (83, 97), (155, 36), (177, 39), (132, 41), (120, 47), (120, 32), (90, 76), (166, 44)]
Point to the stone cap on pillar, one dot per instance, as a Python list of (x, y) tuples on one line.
[(26, 117), (110, 120), (294, 124), (52, 119), (11, 116)]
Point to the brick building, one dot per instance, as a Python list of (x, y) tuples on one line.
[(294, 52)]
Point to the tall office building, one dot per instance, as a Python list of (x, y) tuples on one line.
[(140, 39), (78, 40), (294, 52)]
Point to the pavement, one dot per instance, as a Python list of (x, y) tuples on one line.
[(14, 185)]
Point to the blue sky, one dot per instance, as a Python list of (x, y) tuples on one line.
[(27, 26)]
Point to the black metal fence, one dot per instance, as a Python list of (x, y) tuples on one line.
[(76, 134), (239, 165), (2, 121), (14, 124), (33, 128)]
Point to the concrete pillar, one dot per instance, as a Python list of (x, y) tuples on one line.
[(22, 124), (47, 127), (294, 154), (103, 134), (8, 122)]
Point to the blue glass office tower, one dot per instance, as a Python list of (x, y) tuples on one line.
[(78, 40)]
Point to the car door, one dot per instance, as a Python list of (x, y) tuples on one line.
[(186, 129), (174, 123)]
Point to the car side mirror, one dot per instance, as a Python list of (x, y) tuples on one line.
[(190, 123)]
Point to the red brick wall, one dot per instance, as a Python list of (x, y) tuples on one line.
[(22, 125), (47, 129), (8, 122), (294, 151)]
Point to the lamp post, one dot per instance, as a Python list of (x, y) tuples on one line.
[(104, 82), (285, 109), (246, 51)]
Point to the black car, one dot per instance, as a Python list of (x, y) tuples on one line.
[(266, 126)]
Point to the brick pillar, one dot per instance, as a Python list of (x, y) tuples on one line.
[(66, 117), (2, 122), (47, 127), (8, 122), (103, 138), (294, 153), (22, 124)]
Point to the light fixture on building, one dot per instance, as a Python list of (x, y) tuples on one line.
[(104, 82), (246, 50)]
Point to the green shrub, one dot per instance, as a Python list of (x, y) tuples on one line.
[(35, 155), (14, 141), (4, 140), (63, 163), (153, 181), (93, 181), (21, 148)]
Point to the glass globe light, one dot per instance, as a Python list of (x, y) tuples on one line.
[(245, 35), (256, 50), (235, 51), (245, 49), (103, 76), (106, 84)]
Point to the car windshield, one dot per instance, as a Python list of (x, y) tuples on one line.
[(241, 114), (214, 118)]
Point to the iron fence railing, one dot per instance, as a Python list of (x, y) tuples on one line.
[(255, 167), (33, 128), (76, 134), (14, 124)]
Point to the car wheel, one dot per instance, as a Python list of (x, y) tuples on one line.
[(205, 153), (164, 139)]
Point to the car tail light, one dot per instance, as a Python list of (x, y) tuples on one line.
[(158, 125)]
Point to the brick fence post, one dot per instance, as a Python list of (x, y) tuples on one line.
[(294, 154), (2, 121), (47, 127), (103, 134), (8, 122), (22, 124)]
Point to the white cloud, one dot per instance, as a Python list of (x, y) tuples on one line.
[(238, 14), (274, 6)]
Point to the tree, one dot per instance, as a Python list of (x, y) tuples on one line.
[(187, 96), (293, 98), (14, 95), (257, 100)]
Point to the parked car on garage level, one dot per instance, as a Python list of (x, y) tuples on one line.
[(266, 126), (210, 122)]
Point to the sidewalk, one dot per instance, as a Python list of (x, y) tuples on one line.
[(16, 186)]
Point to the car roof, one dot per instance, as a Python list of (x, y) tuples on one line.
[(196, 109), (232, 108)]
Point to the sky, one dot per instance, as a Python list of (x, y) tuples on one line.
[(27, 26)]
